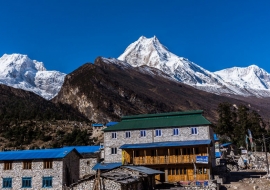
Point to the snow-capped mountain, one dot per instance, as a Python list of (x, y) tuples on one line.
[(19, 71), (248, 81)]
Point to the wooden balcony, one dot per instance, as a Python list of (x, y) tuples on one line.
[(154, 160), (172, 178)]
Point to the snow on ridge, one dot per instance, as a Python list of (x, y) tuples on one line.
[(248, 81), (19, 71)]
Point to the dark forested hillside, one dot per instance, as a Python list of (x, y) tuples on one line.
[(27, 120), (19, 105)]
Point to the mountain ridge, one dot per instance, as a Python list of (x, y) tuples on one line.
[(19, 71), (109, 89), (150, 52)]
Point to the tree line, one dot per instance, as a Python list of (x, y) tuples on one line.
[(234, 121)]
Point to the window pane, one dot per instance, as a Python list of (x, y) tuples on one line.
[(194, 130), (113, 150), (175, 132), (143, 133), (128, 134), (7, 182), (47, 182), (26, 182), (47, 164)]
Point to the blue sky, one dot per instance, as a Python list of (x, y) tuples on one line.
[(65, 34)]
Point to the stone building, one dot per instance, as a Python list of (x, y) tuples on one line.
[(178, 143), (39, 169), (119, 178), (90, 156)]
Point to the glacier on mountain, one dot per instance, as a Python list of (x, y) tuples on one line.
[(19, 71), (250, 81)]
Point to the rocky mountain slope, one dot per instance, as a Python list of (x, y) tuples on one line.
[(19, 71), (109, 89), (250, 81)]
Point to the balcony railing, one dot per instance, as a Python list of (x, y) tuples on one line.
[(174, 159)]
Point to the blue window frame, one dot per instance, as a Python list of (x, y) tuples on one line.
[(175, 131), (127, 134), (194, 130), (26, 182), (114, 135), (7, 182), (143, 133), (47, 182), (158, 132)]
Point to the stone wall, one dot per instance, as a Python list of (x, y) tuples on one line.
[(166, 135), (86, 165), (37, 173), (109, 184), (62, 171), (71, 168), (89, 184)]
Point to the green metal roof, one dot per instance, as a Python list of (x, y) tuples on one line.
[(162, 120)]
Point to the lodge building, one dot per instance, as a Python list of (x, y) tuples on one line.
[(178, 143), (54, 168)]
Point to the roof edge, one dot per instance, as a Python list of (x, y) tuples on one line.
[(141, 116)]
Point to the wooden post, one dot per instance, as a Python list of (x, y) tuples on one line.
[(133, 156), (157, 156), (145, 156), (168, 158)]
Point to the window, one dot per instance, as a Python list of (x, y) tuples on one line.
[(47, 164), (26, 182), (158, 132), (194, 131), (127, 134), (7, 165), (143, 133), (175, 132), (27, 165), (47, 182), (7, 182), (114, 135), (114, 150)]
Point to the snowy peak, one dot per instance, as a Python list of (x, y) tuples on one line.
[(251, 77), (19, 62), (145, 51), (249, 81), (19, 71), (150, 52)]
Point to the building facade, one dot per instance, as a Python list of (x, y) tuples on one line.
[(39, 169), (178, 143)]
